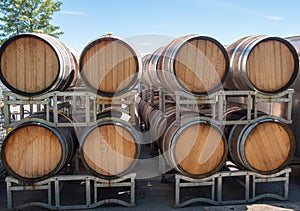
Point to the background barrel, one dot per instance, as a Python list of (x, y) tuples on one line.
[(262, 63), (194, 64), (195, 148), (152, 117), (35, 151), (109, 66), (266, 146), (295, 41), (33, 64), (109, 149)]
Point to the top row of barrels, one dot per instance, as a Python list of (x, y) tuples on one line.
[(33, 64)]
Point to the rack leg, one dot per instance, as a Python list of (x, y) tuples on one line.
[(132, 191), (219, 189), (286, 186), (57, 198), (177, 191), (88, 191), (9, 195)]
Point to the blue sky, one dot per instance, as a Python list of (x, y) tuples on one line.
[(143, 22)]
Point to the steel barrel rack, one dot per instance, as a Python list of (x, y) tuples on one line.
[(74, 102)]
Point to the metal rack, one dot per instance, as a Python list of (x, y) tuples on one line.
[(217, 104), (216, 182), (89, 105), (73, 103), (54, 183)]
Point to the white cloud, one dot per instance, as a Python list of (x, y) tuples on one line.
[(70, 12), (226, 5), (273, 18)]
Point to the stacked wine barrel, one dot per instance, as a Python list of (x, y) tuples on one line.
[(109, 66), (198, 66), (35, 64), (268, 65), (31, 65), (193, 64)]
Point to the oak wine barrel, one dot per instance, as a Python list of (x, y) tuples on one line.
[(109, 66), (110, 148), (152, 117), (33, 64), (195, 148), (266, 146), (295, 41), (35, 151), (192, 63), (262, 63)]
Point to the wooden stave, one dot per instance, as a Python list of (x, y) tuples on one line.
[(66, 135), (154, 119), (108, 118), (239, 51), (237, 134), (66, 74), (150, 73), (166, 144), (166, 62), (104, 93)]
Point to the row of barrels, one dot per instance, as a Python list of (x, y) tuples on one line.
[(200, 65), (33, 64), (196, 147), (34, 151)]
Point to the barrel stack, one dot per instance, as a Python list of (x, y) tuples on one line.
[(267, 65), (109, 67), (37, 66), (32, 65), (188, 137), (200, 66), (194, 65), (295, 41)]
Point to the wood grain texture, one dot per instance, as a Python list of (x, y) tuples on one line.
[(199, 149), (268, 146), (192, 63), (270, 65), (109, 65), (266, 64), (109, 150), (200, 65), (33, 155), (29, 64)]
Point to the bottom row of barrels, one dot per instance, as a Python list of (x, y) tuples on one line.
[(199, 148), (34, 151)]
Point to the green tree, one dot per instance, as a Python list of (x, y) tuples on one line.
[(23, 16)]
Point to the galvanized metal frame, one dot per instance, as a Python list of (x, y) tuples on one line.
[(216, 183), (219, 105), (54, 183), (51, 99), (92, 103)]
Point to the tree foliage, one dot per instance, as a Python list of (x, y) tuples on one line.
[(23, 16)]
